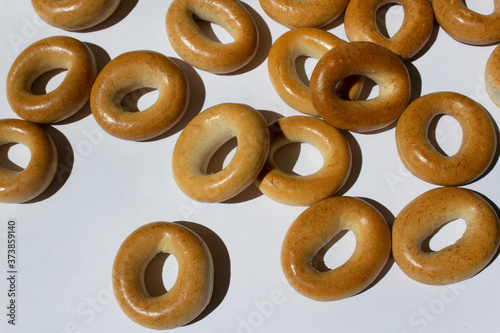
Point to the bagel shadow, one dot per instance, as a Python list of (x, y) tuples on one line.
[(102, 59), (497, 212), (389, 218), (221, 262), (65, 162), (335, 23), (264, 45), (217, 161), (120, 13), (196, 99), (356, 163), (432, 39), (496, 154)]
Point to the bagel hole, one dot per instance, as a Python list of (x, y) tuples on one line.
[(304, 66), (222, 156), (480, 7), (370, 89), (215, 32), (160, 274), (351, 87), (298, 158), (444, 236), (48, 81), (445, 135), (389, 19), (140, 99), (336, 252), (14, 156)]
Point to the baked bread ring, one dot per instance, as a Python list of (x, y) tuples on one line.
[(418, 22), (305, 190), (202, 52), (130, 72), (465, 25), (48, 54), (314, 228), (193, 287), (16, 187), (74, 14), (417, 222), (302, 14), (206, 133), (492, 76), (360, 58), (309, 42), (424, 161)]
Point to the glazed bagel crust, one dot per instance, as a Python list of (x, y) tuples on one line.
[(131, 72), (419, 156), (456, 262), (314, 228), (415, 31), (465, 25), (58, 52), (201, 52), (16, 187), (74, 14), (360, 58), (492, 75), (204, 135), (299, 190), (308, 42), (303, 13), (193, 287)]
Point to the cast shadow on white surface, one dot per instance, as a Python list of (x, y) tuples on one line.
[(497, 211), (222, 268), (389, 218), (339, 21), (222, 265), (497, 150), (102, 59), (356, 163), (124, 9), (196, 100), (65, 161), (265, 42), (432, 39)]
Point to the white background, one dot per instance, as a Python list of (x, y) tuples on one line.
[(106, 188)]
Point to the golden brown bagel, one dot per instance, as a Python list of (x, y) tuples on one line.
[(74, 14), (456, 262), (360, 58), (308, 42), (303, 13), (305, 190), (465, 25), (132, 71), (204, 135), (314, 228), (424, 161), (418, 22), (492, 75), (70, 96), (25, 185), (202, 52), (193, 287)]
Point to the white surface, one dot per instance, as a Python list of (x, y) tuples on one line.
[(106, 188)]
